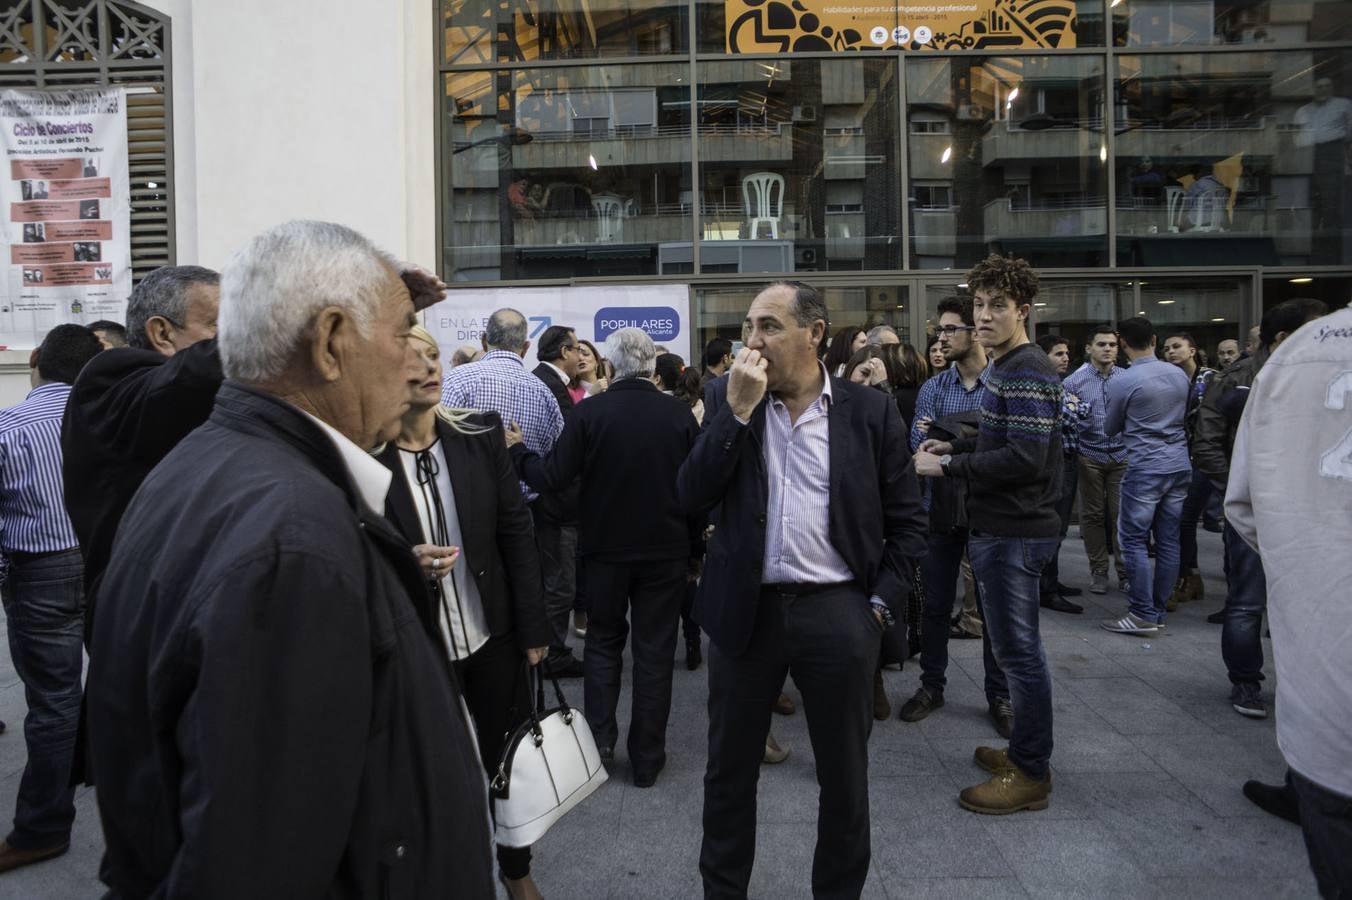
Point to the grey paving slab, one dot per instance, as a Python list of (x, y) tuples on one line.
[(1148, 765)]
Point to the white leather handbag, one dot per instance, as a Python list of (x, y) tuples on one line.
[(548, 766)]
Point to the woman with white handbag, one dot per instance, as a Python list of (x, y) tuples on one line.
[(456, 498)]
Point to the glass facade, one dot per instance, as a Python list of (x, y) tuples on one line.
[(1191, 161)]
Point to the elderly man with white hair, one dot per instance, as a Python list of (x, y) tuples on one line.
[(636, 547), (271, 712)]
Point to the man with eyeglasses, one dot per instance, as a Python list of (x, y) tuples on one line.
[(556, 514), (954, 391)]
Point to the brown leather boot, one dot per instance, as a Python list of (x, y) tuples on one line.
[(882, 709), (1193, 588), (1007, 791), (14, 858), (996, 760)]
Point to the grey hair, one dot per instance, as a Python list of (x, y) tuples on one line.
[(272, 289), (808, 303), (632, 353), (163, 293), (506, 330), (874, 335)]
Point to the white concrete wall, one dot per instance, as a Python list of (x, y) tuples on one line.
[(304, 109), (299, 109)]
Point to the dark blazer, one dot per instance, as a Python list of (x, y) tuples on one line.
[(557, 386), (127, 409), (627, 445), (877, 524), (499, 542), (260, 649), (562, 505)]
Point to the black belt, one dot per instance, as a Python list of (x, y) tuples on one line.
[(803, 588), (23, 557)]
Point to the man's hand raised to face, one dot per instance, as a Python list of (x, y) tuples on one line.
[(746, 383), (423, 287)]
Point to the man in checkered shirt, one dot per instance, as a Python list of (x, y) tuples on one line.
[(499, 381)]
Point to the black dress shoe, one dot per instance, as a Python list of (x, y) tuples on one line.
[(693, 655), (1002, 714), (648, 779), (566, 667), (1218, 617), (1274, 799), (1057, 603), (1065, 591), (607, 755), (923, 702)]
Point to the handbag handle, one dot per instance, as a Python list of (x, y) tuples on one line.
[(547, 672)]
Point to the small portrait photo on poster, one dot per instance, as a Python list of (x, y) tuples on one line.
[(32, 276), (34, 232), (89, 209), (33, 190), (88, 251), (91, 167)]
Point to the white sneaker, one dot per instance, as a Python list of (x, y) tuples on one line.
[(1130, 624)]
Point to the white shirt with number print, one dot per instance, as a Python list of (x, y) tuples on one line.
[(1290, 497)]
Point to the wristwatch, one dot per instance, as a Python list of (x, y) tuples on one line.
[(944, 461), (884, 613)]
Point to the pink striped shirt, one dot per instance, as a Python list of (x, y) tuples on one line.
[(798, 512)]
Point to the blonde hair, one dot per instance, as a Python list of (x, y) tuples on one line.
[(456, 418)]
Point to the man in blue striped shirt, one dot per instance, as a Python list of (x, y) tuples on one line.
[(43, 596), (957, 389), (1103, 459)]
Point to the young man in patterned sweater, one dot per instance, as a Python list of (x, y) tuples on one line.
[(1013, 468)]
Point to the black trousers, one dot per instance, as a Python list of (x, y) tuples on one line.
[(1065, 505), (1326, 819), (940, 568), (828, 640), (494, 682), (648, 595)]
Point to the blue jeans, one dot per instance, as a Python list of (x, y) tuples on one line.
[(1200, 491), (1151, 505), (44, 603), (1242, 633), (1007, 571), (939, 571)]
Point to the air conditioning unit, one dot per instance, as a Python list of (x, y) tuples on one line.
[(971, 111), (805, 113), (805, 257)]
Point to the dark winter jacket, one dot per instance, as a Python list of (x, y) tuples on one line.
[(268, 715)]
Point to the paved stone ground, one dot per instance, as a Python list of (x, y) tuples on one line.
[(1148, 765)]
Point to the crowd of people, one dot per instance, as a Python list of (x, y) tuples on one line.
[(313, 568)]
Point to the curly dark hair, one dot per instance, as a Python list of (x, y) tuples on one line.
[(1006, 275)]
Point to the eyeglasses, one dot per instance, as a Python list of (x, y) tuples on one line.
[(568, 347), (950, 330)]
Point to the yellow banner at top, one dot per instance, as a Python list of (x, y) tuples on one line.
[(782, 26)]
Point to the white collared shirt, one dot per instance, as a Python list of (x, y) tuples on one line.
[(797, 458), (371, 478), (563, 376)]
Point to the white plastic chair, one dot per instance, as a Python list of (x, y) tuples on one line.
[(763, 200), (611, 212), (1207, 214), (1173, 195)]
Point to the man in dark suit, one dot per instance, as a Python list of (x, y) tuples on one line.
[(820, 526), (627, 445), (556, 513)]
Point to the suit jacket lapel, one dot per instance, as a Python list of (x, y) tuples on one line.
[(838, 433), (399, 501), (456, 456)]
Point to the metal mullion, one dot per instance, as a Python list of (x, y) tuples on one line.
[(445, 204), (696, 191), (1109, 120), (904, 160), (564, 63), (1223, 49)]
